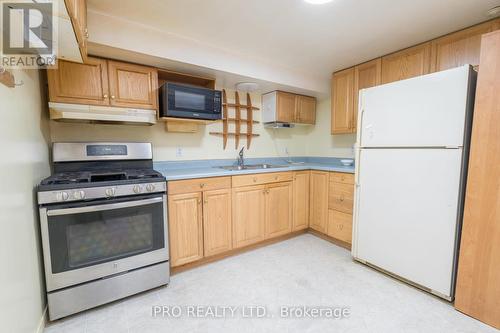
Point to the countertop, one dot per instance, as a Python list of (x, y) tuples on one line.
[(177, 170)]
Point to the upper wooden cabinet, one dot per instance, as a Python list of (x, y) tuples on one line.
[(104, 82), (342, 101), (133, 85), (185, 228), (305, 110), (365, 76), (77, 10), (280, 106), (460, 48), (405, 64), (85, 83)]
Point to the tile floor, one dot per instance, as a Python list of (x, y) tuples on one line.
[(303, 271)]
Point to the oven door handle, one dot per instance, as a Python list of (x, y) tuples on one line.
[(97, 208)]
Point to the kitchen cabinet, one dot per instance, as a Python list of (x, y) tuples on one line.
[(133, 86), (339, 226), (85, 83), (460, 48), (301, 200), (365, 76), (105, 83), (318, 214), (280, 106), (77, 11), (478, 281), (340, 206), (185, 228), (279, 200), (405, 64), (342, 101), (217, 229), (305, 110), (249, 215)]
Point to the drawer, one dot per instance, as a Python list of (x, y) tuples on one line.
[(341, 197), (261, 178), (198, 185), (342, 177), (339, 226)]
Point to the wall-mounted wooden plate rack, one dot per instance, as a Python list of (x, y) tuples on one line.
[(237, 120)]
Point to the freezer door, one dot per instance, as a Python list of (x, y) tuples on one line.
[(426, 111), (406, 210)]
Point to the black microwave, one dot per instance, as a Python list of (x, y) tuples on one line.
[(185, 101)]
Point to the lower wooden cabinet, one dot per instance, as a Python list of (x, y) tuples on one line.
[(339, 226), (318, 214), (217, 229), (185, 228), (279, 199), (249, 215), (301, 200)]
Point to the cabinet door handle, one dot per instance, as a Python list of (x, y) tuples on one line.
[(199, 201), (112, 96), (105, 96), (205, 202)]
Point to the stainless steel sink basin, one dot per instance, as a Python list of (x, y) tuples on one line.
[(251, 167)]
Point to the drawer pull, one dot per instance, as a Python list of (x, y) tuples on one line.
[(202, 185), (343, 178), (276, 178), (341, 226), (341, 198), (255, 180)]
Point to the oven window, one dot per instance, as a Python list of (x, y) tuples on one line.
[(88, 238), (189, 101)]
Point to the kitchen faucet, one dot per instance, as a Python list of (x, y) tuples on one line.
[(241, 160)]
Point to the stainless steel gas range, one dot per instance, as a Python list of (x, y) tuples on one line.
[(103, 216)]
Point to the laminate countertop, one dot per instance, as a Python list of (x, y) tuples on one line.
[(177, 170)]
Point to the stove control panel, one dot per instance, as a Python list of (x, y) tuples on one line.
[(89, 193)]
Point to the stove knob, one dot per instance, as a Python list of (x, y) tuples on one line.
[(150, 187), (110, 192), (62, 196), (79, 195), (137, 189)]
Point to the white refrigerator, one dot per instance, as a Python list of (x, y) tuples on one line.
[(411, 165)]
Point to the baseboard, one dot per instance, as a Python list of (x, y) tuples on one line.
[(329, 239), (43, 321)]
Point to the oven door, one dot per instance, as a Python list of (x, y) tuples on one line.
[(88, 241), (193, 102)]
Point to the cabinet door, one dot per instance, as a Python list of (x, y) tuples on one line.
[(305, 110), (249, 214), (301, 200), (342, 101), (217, 221), (133, 86), (407, 63), (185, 228), (365, 76), (459, 48), (285, 107), (340, 226), (77, 10), (279, 199), (318, 214), (85, 83)]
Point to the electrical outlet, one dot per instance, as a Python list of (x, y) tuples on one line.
[(178, 152)]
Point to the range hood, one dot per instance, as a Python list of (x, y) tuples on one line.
[(277, 124), (101, 114)]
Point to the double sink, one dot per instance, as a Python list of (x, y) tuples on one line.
[(251, 167)]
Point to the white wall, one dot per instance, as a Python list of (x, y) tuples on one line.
[(24, 162), (321, 142)]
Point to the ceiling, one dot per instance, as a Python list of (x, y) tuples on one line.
[(314, 39)]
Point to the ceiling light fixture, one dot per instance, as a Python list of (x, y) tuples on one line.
[(318, 2), (493, 12)]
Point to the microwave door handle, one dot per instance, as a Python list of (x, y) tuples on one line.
[(97, 208)]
